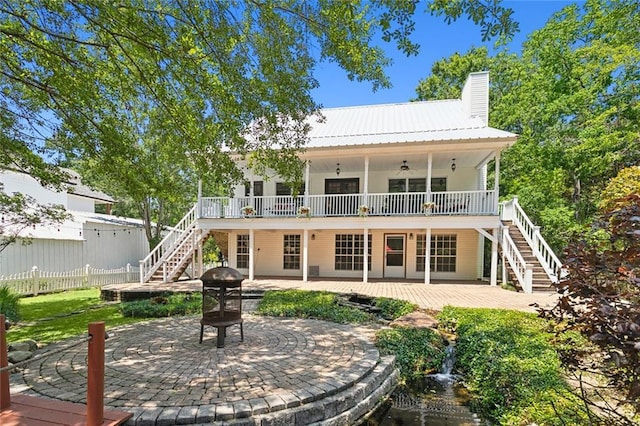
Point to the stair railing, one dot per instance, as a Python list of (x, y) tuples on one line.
[(511, 210), (189, 243), (156, 257), (521, 269)]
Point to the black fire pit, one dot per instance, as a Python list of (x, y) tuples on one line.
[(221, 301)]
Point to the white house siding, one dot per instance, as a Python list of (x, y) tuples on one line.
[(81, 204), (268, 255), (50, 255), (110, 246), (99, 248)]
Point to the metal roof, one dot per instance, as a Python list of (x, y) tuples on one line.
[(76, 187), (397, 123)]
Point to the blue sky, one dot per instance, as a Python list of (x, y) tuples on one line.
[(438, 40)]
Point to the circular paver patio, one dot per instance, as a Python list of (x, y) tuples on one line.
[(160, 372)]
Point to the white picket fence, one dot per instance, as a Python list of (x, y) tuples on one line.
[(36, 282)]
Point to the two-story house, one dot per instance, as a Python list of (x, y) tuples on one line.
[(396, 191)]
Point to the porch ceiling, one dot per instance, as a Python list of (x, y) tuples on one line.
[(417, 162)]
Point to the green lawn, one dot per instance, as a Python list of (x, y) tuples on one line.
[(58, 316)]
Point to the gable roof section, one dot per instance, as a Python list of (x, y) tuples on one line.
[(428, 121)]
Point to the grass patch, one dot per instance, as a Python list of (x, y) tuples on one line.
[(418, 351), (511, 367), (53, 317), (57, 304), (310, 304), (67, 326)]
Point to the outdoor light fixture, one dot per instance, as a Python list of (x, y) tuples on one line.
[(453, 165), (338, 169), (411, 235), (404, 167), (313, 236)]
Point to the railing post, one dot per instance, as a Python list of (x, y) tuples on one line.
[(528, 278), (5, 395), (35, 275), (128, 277), (164, 271), (199, 203), (141, 263), (95, 375), (536, 241)]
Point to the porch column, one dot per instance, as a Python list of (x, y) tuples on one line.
[(429, 167), (494, 258), (251, 254), (427, 256), (306, 184), (305, 256), (200, 259), (365, 187), (365, 260), (496, 184)]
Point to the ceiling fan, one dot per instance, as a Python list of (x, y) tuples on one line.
[(404, 168)]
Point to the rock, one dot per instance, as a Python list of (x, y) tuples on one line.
[(19, 356), (23, 345), (416, 319)]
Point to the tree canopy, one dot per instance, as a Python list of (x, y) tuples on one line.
[(573, 97), (147, 94)]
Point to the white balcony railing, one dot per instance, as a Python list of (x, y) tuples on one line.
[(385, 204)]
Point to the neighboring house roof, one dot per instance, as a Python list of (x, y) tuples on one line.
[(401, 122), (72, 229), (76, 187)]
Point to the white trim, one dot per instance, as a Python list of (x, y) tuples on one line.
[(305, 256), (251, 254)]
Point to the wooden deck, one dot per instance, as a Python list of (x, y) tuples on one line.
[(31, 411)]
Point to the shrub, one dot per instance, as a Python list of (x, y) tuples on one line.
[(9, 304), (600, 299), (163, 306), (511, 367), (309, 304), (394, 308), (418, 351)]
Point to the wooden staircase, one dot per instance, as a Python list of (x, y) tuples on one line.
[(541, 281), (180, 259), (171, 258)]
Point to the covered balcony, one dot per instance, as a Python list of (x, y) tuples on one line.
[(450, 203)]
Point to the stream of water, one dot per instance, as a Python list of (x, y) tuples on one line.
[(438, 400)]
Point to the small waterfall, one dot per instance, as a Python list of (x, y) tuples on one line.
[(449, 360), (435, 401), (445, 377)]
